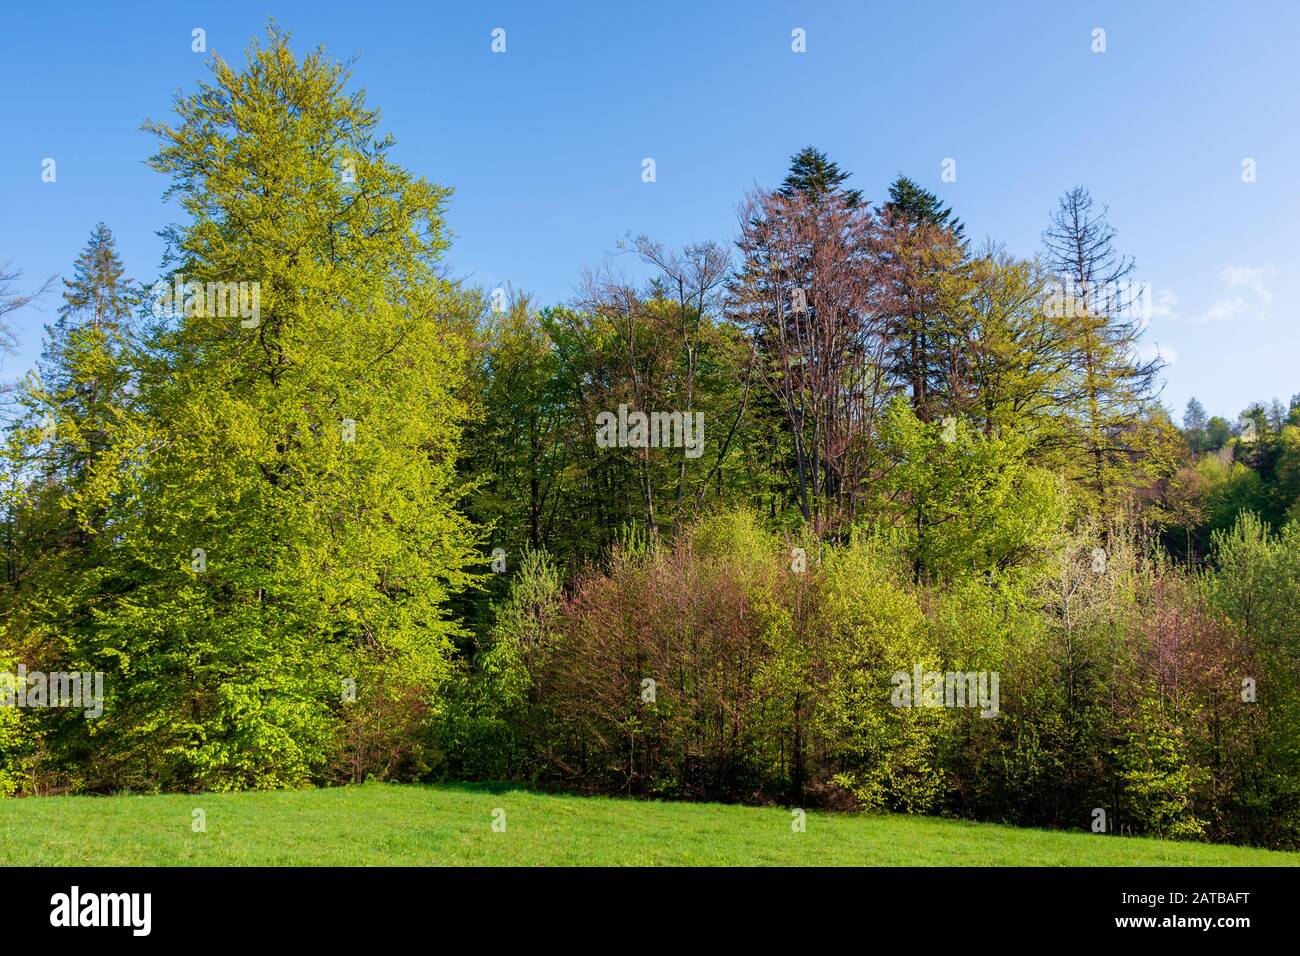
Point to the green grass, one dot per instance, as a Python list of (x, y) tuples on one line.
[(452, 824)]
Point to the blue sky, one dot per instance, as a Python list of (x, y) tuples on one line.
[(544, 143)]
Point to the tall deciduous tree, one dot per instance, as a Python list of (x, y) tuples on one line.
[(1195, 422), (808, 291), (284, 502), (11, 300)]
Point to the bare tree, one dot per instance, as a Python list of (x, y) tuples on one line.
[(638, 374), (658, 333), (810, 292), (11, 300), (693, 280)]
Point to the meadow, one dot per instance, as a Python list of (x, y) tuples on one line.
[(452, 825)]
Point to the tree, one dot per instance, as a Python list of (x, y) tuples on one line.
[(85, 373), (921, 248), (284, 502), (55, 555), (1194, 426), (1287, 474), (1217, 433), (661, 336), (1255, 445), (909, 201), (919, 259), (1006, 360), (11, 300), (814, 175), (1277, 416), (974, 503), (1114, 384), (807, 293), (520, 443)]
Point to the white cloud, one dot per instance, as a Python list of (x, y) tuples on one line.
[(1149, 351), (1249, 294), (1223, 310), (1245, 292), (1164, 305), (1250, 278)]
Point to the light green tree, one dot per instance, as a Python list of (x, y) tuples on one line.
[(283, 505)]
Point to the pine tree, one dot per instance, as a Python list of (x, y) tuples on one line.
[(815, 175), (79, 394), (53, 546), (922, 250), (1277, 415), (909, 201), (83, 370), (1115, 385)]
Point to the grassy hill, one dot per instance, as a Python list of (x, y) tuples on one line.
[(452, 824)]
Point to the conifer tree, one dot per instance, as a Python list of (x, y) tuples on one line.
[(921, 249), (911, 202), (813, 174), (83, 372), (54, 554), (1115, 384)]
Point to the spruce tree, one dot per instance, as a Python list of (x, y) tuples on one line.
[(54, 546), (921, 248), (911, 202), (83, 371), (815, 175)]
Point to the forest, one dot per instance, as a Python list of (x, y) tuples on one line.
[(311, 510)]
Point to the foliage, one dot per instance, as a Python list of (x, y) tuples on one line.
[(263, 511)]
